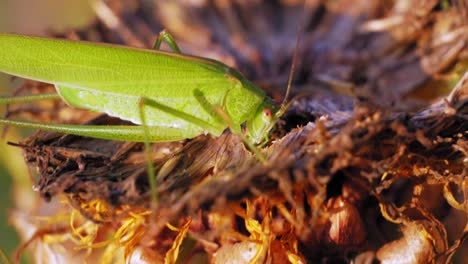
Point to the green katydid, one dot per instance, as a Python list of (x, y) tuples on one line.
[(173, 96)]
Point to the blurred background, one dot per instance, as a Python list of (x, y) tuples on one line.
[(36, 18), (47, 16)]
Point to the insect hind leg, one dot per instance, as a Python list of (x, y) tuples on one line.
[(169, 39), (21, 99), (28, 98)]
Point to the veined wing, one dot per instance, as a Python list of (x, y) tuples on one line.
[(111, 68)]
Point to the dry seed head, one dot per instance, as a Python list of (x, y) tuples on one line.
[(346, 226)]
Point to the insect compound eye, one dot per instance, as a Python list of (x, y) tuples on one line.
[(267, 113)]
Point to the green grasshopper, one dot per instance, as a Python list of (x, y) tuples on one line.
[(171, 95)]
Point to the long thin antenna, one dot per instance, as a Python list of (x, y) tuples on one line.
[(300, 30)]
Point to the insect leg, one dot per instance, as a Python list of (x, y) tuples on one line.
[(169, 39), (4, 257), (28, 98), (119, 133), (22, 99), (236, 130), (150, 167), (217, 112), (146, 102), (212, 129)]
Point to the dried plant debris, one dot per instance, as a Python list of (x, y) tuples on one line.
[(357, 169)]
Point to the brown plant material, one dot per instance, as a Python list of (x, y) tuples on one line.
[(353, 161)]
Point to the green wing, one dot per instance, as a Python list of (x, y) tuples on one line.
[(109, 68), (112, 79)]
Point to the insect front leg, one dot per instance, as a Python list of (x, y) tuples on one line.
[(218, 113), (169, 39)]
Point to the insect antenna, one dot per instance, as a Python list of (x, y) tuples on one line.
[(300, 30)]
